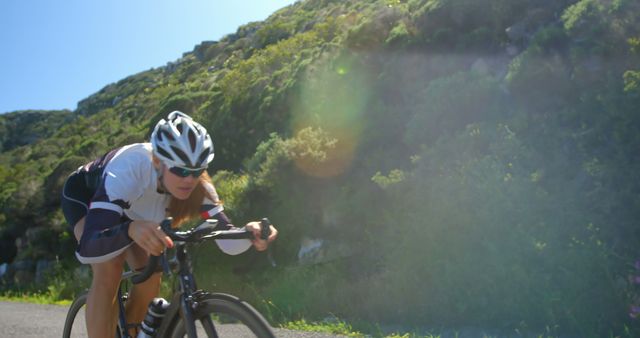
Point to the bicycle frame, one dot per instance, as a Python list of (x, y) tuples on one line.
[(183, 301), (187, 300), (186, 297)]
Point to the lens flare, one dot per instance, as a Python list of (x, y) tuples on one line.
[(332, 98), (338, 158)]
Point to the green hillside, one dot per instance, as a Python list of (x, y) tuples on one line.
[(464, 163)]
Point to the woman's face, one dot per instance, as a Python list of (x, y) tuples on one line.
[(179, 187)]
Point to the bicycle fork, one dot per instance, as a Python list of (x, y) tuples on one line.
[(190, 297), (186, 307)]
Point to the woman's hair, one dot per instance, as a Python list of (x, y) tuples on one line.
[(184, 210)]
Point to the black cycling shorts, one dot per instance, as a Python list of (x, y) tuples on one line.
[(76, 197)]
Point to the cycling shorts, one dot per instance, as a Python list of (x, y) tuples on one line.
[(77, 192)]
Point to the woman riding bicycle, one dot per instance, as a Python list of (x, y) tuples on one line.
[(114, 206)]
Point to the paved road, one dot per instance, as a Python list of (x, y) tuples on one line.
[(46, 321)]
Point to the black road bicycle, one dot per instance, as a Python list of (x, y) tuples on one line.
[(192, 312)]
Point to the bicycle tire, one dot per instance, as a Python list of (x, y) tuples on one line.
[(232, 317), (78, 329), (69, 326)]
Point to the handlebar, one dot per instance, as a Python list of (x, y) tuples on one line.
[(204, 231)]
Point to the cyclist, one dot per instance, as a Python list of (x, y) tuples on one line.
[(114, 206)]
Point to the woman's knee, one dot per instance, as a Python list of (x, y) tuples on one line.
[(107, 274), (136, 257)]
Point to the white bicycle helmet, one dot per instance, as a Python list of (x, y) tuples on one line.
[(179, 141)]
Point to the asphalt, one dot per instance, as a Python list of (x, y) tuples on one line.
[(46, 321)]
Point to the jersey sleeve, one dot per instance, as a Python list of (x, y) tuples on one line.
[(212, 209), (105, 234)]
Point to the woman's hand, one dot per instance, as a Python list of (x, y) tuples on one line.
[(149, 236), (258, 243)]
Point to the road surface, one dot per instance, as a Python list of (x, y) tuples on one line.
[(29, 320)]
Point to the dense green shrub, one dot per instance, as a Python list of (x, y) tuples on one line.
[(540, 81), (449, 104), (273, 33), (231, 189), (286, 179), (187, 103), (399, 34), (632, 81), (27, 127), (486, 234), (583, 17)]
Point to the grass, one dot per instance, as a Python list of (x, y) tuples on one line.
[(28, 297), (332, 327), (338, 327)]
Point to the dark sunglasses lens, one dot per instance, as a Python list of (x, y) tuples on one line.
[(197, 173), (178, 171), (183, 172)]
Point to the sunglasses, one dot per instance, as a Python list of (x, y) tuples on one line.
[(184, 172)]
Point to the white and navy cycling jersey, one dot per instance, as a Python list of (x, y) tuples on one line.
[(127, 189)]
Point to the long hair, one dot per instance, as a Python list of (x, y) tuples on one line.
[(188, 209)]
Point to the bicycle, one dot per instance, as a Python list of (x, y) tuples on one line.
[(191, 312)]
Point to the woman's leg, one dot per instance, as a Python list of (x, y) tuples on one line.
[(106, 278), (141, 294), (102, 306)]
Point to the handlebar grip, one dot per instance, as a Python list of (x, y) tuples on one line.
[(152, 264), (265, 228)]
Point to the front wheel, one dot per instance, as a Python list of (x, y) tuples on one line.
[(74, 325), (221, 315)]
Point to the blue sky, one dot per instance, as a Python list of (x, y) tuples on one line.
[(55, 53)]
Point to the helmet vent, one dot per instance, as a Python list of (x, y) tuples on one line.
[(203, 157), (163, 152), (181, 155), (173, 116), (192, 140), (167, 134)]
